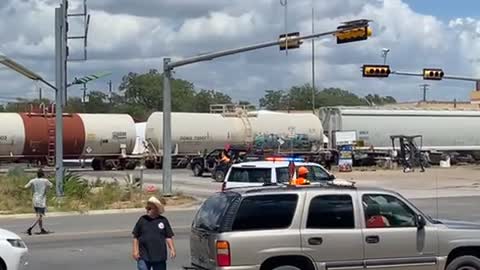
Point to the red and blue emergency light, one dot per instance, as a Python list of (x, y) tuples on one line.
[(289, 159)]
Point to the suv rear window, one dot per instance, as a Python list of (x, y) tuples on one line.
[(250, 175), (265, 212), (331, 212), (210, 214)]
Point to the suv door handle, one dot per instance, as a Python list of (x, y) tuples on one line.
[(372, 239), (315, 241)]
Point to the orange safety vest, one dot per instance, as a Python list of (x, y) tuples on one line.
[(300, 181), (225, 159)]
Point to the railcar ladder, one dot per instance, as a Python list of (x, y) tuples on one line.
[(51, 141)]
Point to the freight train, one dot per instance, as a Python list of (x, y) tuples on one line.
[(107, 139), (195, 133), (443, 131)]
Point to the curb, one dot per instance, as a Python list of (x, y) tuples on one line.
[(189, 207)]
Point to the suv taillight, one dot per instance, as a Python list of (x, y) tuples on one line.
[(223, 254)]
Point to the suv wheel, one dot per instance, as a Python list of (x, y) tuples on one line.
[(219, 176), (464, 263), (287, 267), (197, 170)]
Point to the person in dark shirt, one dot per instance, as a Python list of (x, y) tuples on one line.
[(151, 236)]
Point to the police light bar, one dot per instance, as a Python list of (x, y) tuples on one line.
[(293, 159)]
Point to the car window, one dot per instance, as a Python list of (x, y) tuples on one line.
[(331, 212), (265, 212), (315, 173), (383, 210), (283, 175), (212, 210), (214, 154), (250, 175), (318, 174)]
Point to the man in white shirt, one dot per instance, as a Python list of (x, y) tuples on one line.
[(40, 186)]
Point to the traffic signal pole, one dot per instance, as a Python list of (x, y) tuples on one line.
[(169, 66), (449, 77)]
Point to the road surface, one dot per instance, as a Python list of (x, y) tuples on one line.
[(103, 242)]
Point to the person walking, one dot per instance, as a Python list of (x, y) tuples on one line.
[(152, 235), (39, 186)]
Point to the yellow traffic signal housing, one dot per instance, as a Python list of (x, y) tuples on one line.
[(352, 35), (432, 74), (291, 40), (376, 70)]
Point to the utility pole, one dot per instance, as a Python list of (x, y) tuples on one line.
[(60, 67), (61, 59), (110, 91), (40, 94), (169, 66), (313, 58), (425, 88)]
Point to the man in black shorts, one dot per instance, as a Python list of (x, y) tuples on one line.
[(40, 186), (151, 237)]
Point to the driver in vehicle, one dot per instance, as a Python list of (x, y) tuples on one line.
[(374, 218)]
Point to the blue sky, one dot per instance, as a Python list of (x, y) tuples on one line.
[(446, 9)]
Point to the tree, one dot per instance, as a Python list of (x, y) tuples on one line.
[(300, 98), (273, 100), (378, 100), (146, 90), (205, 98)]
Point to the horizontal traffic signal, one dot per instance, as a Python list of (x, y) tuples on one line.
[(376, 70), (289, 41), (352, 35), (432, 74)]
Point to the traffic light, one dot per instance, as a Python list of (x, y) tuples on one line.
[(376, 70), (290, 40), (432, 74), (352, 35)]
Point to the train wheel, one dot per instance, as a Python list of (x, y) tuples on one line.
[(98, 164), (131, 165), (150, 164), (109, 165)]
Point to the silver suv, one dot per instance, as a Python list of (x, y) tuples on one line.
[(326, 227)]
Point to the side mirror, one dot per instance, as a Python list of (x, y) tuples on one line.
[(421, 222), (331, 177)]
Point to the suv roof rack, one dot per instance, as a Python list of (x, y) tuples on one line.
[(284, 186)]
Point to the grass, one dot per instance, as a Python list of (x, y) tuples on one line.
[(80, 195)]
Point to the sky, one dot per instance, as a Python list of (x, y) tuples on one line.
[(135, 35)]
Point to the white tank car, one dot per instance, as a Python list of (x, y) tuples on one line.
[(441, 129), (140, 139), (195, 132), (105, 134), (12, 135)]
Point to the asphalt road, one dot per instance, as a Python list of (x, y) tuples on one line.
[(103, 241)]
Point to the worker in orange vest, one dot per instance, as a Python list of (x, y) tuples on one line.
[(301, 177), (224, 157)]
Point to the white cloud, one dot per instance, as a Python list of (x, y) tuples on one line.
[(134, 36)]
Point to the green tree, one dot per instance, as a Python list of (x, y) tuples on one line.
[(146, 90), (274, 100), (300, 98), (379, 100), (205, 98)]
